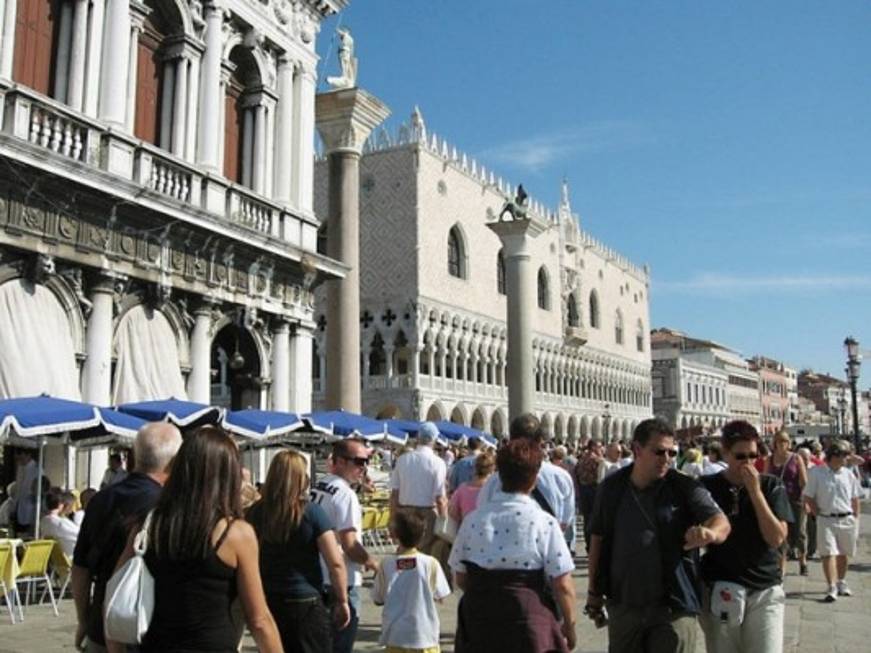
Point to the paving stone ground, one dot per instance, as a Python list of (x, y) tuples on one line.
[(811, 625)]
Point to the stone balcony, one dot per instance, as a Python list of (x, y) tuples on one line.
[(48, 134)]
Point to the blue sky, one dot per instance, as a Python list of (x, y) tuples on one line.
[(727, 144)]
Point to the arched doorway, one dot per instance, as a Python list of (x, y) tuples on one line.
[(497, 424), (390, 411), (478, 420), (434, 414), (457, 416), (235, 369)]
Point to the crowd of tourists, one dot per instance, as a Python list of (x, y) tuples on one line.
[(682, 542)]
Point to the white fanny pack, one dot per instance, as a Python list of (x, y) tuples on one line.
[(728, 602)]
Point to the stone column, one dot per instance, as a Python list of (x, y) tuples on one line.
[(179, 108), (258, 152), (193, 108), (211, 128), (113, 76), (301, 346), (304, 87), (97, 373), (62, 58), (133, 70), (521, 288), (284, 143), (7, 45), (199, 379), (93, 64), (76, 87), (345, 118), (281, 366)]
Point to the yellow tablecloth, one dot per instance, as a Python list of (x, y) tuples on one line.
[(10, 573)]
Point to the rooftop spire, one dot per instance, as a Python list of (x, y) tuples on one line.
[(564, 203)]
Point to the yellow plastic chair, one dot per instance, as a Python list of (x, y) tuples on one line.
[(34, 569), (61, 570), (382, 531), (368, 535), (6, 553)]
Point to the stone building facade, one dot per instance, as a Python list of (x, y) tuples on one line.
[(433, 305), (157, 232), (699, 385), (773, 393)]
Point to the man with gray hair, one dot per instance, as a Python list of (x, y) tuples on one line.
[(104, 531), (418, 483)]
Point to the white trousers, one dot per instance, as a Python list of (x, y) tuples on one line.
[(761, 630)]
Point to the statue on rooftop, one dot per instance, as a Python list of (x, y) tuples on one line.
[(347, 62)]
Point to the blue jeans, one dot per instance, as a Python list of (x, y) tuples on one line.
[(343, 640)]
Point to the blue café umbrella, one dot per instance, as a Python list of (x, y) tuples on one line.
[(44, 416), (178, 411), (344, 424), (260, 424)]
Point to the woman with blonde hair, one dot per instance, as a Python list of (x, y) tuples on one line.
[(294, 534)]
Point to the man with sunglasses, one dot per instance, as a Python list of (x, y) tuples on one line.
[(742, 575), (648, 523), (832, 495), (335, 494)]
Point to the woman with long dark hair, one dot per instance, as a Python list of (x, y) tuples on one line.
[(294, 534), (203, 555)]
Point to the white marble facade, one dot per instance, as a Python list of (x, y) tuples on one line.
[(178, 266), (433, 330)]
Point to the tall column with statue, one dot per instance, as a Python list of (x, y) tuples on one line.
[(515, 230), (345, 116)]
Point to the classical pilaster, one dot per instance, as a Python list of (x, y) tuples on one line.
[(93, 64), (211, 133), (284, 143), (345, 119), (7, 45), (192, 108), (521, 288), (179, 105), (281, 366), (78, 55), (258, 155), (113, 76), (62, 57), (304, 87), (301, 346), (137, 21), (199, 379)]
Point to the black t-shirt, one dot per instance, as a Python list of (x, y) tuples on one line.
[(637, 574), (292, 569), (745, 557), (103, 536)]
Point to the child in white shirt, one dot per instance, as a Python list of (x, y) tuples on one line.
[(408, 584)]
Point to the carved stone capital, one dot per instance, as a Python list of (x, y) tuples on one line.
[(346, 117)]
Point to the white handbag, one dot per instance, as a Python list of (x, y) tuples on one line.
[(130, 595), (445, 527)]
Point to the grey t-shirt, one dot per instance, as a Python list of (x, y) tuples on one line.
[(636, 563)]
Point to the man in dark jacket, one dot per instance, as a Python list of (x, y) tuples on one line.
[(647, 526)]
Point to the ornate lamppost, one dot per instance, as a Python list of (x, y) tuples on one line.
[(842, 412), (854, 360)]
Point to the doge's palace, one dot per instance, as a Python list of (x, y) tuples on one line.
[(433, 305)]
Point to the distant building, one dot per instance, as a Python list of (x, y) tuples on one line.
[(433, 304), (773, 393), (792, 397), (701, 384), (830, 396)]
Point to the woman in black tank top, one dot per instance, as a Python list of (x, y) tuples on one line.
[(202, 554)]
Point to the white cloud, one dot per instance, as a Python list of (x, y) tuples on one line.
[(535, 152), (722, 283)]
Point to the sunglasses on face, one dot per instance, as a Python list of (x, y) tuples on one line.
[(746, 456), (671, 453), (359, 462)]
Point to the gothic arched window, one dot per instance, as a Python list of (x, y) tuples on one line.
[(574, 318), (594, 310), (456, 254), (543, 289), (618, 328), (500, 273)]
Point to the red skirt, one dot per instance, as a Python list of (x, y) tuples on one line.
[(507, 610)]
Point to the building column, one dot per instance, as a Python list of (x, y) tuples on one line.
[(137, 22), (521, 287), (62, 57), (284, 143), (211, 132), (345, 119), (281, 366), (389, 351), (179, 106), (113, 76), (305, 84), (93, 63), (301, 345), (415, 367), (258, 154), (78, 55), (7, 45), (192, 107), (166, 104), (200, 379)]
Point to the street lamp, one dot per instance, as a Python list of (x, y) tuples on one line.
[(842, 411), (854, 360)]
